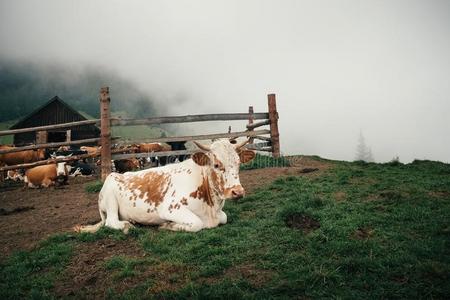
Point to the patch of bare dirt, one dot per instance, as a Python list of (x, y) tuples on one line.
[(439, 194), (54, 210), (390, 195), (300, 165), (302, 222), (363, 180), (340, 196), (363, 233), (86, 273), (255, 276)]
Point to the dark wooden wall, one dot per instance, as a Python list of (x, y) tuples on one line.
[(55, 112)]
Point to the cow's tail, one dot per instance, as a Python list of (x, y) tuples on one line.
[(92, 228)]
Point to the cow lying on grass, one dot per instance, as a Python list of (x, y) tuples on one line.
[(187, 196)]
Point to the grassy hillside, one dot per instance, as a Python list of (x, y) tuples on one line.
[(358, 231)]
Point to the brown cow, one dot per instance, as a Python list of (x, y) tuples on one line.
[(152, 147), (47, 175), (92, 151), (21, 157), (126, 165)]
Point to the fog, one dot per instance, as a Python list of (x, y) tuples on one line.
[(338, 68)]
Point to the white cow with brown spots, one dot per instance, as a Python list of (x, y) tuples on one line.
[(187, 196)]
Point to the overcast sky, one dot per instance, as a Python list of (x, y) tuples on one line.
[(337, 67)]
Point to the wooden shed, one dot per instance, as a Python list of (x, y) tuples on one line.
[(55, 111)]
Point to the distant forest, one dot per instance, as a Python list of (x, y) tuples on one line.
[(24, 87)]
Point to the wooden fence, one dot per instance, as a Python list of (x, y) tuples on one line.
[(269, 143)]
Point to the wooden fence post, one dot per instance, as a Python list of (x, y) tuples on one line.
[(250, 121), (273, 117), (105, 127)]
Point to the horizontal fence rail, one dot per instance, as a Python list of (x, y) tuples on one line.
[(259, 146), (45, 162), (200, 137), (188, 119), (263, 138), (51, 145), (179, 152), (50, 127), (54, 160), (155, 154), (259, 124)]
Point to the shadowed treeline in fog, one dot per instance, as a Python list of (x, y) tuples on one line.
[(26, 86)]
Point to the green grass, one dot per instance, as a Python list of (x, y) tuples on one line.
[(384, 233), (93, 187)]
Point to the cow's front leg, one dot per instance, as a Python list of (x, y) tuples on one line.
[(222, 217), (47, 182), (182, 220), (125, 226)]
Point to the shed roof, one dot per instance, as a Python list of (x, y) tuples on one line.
[(38, 110)]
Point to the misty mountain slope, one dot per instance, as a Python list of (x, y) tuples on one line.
[(25, 86)]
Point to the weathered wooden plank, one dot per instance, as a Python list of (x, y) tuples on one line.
[(154, 154), (49, 127), (50, 145), (273, 117), (105, 135), (258, 146), (251, 120), (258, 124), (200, 137), (267, 149), (180, 152), (188, 119), (263, 138), (44, 162)]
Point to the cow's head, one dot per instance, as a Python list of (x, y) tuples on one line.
[(222, 159), (41, 154), (62, 168), (135, 163)]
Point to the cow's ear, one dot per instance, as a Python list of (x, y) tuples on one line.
[(246, 155), (201, 158)]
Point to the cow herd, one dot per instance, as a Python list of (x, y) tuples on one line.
[(57, 174), (188, 195)]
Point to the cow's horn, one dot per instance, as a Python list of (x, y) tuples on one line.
[(203, 147), (240, 145)]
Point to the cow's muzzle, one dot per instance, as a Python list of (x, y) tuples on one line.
[(237, 192), (61, 179)]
